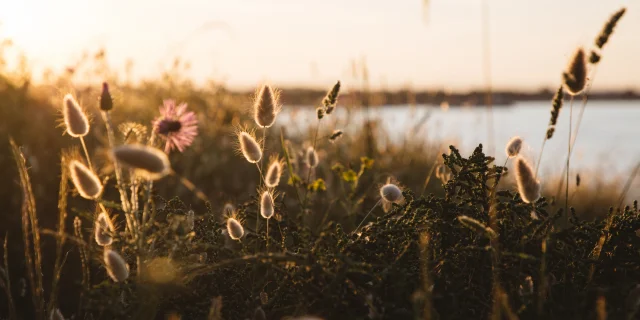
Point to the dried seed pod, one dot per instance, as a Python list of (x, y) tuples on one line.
[(528, 186), (391, 192), (87, 183), (148, 162), (75, 119), (117, 268)]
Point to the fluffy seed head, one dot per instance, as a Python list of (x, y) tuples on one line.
[(390, 192), (513, 147), (87, 182), (235, 229), (311, 157), (103, 230), (106, 102), (249, 147), (575, 77), (528, 186), (607, 30), (75, 120), (266, 205), (266, 107), (117, 268), (331, 99), (56, 314), (335, 136), (147, 162), (272, 178)]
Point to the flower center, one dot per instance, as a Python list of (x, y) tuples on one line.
[(168, 126)]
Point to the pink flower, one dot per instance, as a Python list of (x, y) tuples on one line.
[(177, 126)]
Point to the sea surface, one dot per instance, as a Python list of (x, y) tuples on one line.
[(608, 139)]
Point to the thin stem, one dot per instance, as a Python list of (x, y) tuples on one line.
[(365, 217), (566, 202), (86, 153), (267, 236), (540, 156), (426, 181), (315, 140), (627, 185), (126, 207)]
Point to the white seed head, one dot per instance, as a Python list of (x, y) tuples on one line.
[(513, 147), (528, 186), (117, 268), (56, 314), (391, 192), (190, 219), (272, 178), (87, 182), (75, 120), (266, 107), (311, 157), (228, 209), (103, 230), (148, 162), (235, 229), (250, 148), (266, 205)]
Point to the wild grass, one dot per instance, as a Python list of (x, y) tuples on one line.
[(161, 214)]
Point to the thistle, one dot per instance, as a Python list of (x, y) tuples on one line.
[(266, 205), (274, 172), (87, 183), (106, 102), (147, 162), (117, 268), (235, 229), (75, 120), (177, 126), (266, 107), (513, 147), (249, 147), (528, 186), (103, 230), (575, 77), (311, 157), (391, 193)]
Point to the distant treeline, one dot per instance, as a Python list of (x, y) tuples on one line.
[(297, 96)]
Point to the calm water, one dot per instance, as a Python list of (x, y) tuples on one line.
[(609, 134)]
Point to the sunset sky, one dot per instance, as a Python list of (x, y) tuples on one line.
[(312, 43)]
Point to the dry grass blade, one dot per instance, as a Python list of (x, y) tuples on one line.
[(62, 215), (30, 227), (6, 283)]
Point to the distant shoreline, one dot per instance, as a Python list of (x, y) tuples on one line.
[(404, 97)]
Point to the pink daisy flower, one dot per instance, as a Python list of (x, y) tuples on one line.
[(177, 126)]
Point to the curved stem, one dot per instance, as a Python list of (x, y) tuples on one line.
[(566, 202), (365, 217), (306, 192), (86, 153), (540, 157)]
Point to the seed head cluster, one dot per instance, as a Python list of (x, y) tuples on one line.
[(528, 186), (575, 77), (87, 183), (266, 107), (513, 147), (249, 147), (235, 229), (556, 105), (266, 205), (148, 162), (117, 268), (75, 119), (391, 193)]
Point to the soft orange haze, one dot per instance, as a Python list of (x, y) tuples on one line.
[(303, 42)]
